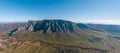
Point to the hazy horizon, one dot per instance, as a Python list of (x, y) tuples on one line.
[(106, 22)]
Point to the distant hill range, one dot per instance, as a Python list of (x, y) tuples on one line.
[(10, 26)]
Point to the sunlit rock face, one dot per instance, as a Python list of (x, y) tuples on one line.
[(50, 25)]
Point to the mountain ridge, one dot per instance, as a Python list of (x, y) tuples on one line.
[(66, 33)]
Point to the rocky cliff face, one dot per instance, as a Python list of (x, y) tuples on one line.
[(59, 29), (50, 25)]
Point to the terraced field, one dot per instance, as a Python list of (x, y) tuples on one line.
[(46, 47), (30, 48), (26, 49)]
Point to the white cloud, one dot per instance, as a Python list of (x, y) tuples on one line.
[(96, 21), (114, 22)]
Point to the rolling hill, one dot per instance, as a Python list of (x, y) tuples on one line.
[(61, 36), (58, 36)]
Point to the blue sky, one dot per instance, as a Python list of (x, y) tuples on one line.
[(87, 11)]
